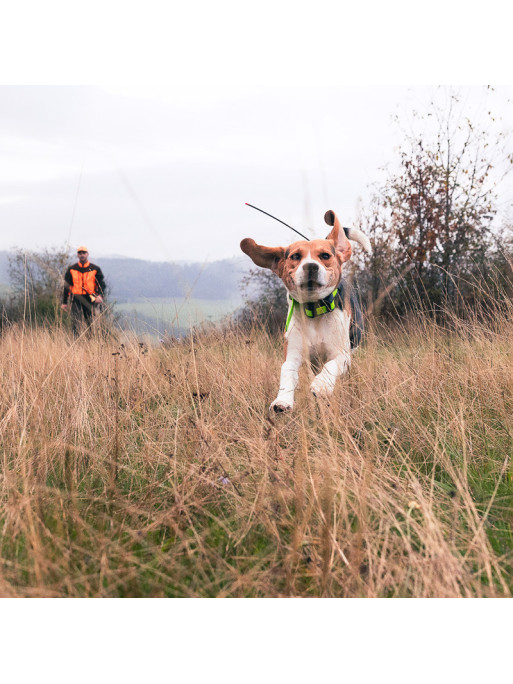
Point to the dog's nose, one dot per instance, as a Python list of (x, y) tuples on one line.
[(312, 270)]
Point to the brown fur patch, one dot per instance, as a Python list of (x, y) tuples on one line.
[(267, 257)]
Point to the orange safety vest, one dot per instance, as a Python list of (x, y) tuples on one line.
[(83, 282), (83, 279)]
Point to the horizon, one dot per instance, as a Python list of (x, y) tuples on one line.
[(181, 262)]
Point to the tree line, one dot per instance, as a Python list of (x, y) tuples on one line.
[(436, 243)]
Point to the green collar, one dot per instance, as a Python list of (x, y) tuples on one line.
[(313, 309)]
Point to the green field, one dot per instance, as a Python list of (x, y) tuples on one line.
[(176, 312)]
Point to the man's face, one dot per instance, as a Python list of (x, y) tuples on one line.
[(82, 256)]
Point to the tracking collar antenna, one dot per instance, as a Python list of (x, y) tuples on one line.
[(277, 219)]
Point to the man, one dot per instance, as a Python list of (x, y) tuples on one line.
[(84, 288)]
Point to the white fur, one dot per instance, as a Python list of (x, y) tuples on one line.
[(327, 337), (361, 238)]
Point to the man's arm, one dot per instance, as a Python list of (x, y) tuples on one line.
[(100, 282)]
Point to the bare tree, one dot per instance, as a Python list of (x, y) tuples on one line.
[(435, 214), (36, 279), (265, 300)]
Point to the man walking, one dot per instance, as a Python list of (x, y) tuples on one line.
[(84, 288)]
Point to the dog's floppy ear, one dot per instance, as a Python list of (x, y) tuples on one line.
[(267, 257), (338, 236)]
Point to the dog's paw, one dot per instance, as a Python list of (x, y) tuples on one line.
[(322, 388), (280, 406)]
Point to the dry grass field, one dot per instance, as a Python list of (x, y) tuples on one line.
[(136, 471)]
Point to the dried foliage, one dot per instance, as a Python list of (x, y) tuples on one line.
[(37, 280), (130, 470), (265, 301), (431, 223)]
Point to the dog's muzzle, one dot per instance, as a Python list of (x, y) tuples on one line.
[(311, 277)]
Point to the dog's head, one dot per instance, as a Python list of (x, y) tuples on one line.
[(310, 270)]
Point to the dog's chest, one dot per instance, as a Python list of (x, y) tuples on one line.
[(325, 335)]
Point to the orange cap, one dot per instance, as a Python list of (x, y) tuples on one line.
[(82, 248)]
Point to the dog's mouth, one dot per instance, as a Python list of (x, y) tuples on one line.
[(310, 285)]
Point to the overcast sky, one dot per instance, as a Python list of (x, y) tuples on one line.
[(163, 173)]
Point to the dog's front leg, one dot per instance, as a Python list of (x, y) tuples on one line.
[(289, 374), (324, 383)]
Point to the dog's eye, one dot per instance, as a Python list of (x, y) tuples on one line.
[(325, 256), (295, 257)]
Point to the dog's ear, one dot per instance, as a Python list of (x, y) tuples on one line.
[(338, 236), (267, 257)]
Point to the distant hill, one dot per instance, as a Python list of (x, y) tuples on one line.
[(129, 279)]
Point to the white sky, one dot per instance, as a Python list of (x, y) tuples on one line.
[(287, 121), (163, 173)]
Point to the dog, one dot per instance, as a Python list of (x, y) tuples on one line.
[(324, 318)]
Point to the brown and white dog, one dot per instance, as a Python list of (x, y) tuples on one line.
[(312, 274)]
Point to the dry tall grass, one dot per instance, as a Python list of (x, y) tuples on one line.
[(135, 471)]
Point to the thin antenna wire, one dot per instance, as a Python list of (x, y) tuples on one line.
[(75, 206), (277, 219)]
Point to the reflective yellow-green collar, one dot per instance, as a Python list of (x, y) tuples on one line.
[(313, 309)]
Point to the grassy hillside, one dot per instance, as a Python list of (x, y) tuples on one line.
[(130, 471), (173, 313)]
